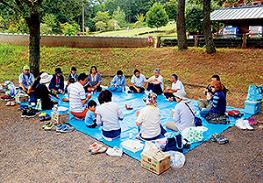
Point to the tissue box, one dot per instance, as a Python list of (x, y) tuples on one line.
[(156, 163), (252, 107)]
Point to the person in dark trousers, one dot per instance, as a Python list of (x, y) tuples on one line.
[(40, 91), (94, 80), (57, 82), (155, 83)]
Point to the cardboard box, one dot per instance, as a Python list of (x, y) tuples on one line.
[(60, 118), (156, 163)]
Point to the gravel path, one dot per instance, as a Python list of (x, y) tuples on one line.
[(28, 154)]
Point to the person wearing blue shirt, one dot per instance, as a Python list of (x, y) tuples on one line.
[(26, 79), (118, 83), (90, 119)]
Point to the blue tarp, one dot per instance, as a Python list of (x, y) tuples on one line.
[(129, 127)]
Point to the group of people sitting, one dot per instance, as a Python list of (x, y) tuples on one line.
[(79, 89)]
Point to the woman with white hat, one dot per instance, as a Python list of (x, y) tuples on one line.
[(39, 91), (182, 113)]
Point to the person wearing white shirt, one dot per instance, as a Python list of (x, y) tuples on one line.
[(182, 113), (148, 120), (78, 98), (155, 83), (177, 85), (138, 81), (109, 116)]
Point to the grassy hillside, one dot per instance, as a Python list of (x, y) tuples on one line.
[(237, 68), (168, 30)]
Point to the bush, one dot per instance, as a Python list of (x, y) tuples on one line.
[(193, 19), (101, 26), (156, 16), (113, 25), (70, 29)]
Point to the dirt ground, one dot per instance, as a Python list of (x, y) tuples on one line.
[(28, 154)]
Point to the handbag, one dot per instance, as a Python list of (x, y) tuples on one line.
[(197, 120)]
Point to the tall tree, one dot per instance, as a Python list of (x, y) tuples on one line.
[(180, 25), (32, 11), (210, 46), (157, 16)]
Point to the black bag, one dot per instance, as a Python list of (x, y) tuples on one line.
[(217, 118), (197, 121), (174, 144)]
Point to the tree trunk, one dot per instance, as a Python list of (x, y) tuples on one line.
[(33, 23), (210, 46), (180, 25)]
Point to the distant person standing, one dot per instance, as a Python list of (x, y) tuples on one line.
[(26, 79)]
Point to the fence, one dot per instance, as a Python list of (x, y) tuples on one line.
[(241, 41), (78, 41)]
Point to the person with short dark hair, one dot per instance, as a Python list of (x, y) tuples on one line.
[(90, 119), (78, 98), (57, 82), (138, 81), (72, 77), (216, 77), (109, 116), (155, 83), (118, 83), (177, 85), (94, 80)]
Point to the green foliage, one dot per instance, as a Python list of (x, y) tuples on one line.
[(101, 26), (119, 16), (171, 9), (18, 26), (102, 17), (45, 29), (113, 24), (156, 16), (140, 21), (193, 19), (49, 24), (70, 29)]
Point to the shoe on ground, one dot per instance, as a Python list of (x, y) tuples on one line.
[(49, 126), (64, 128), (29, 113), (114, 152), (45, 118), (247, 125), (240, 124)]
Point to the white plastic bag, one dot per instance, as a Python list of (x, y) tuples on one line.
[(177, 159)]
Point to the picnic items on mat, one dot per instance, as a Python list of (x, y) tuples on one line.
[(194, 134), (60, 114), (154, 160), (217, 119), (128, 107), (115, 151), (21, 97), (254, 99), (132, 145), (234, 113)]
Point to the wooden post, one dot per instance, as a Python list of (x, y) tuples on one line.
[(196, 40), (158, 42)]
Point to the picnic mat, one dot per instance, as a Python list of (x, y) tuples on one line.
[(128, 126)]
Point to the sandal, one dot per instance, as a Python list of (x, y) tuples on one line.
[(220, 139), (97, 149)]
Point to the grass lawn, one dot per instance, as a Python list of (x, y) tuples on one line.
[(238, 68), (169, 30)]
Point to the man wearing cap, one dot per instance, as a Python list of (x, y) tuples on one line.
[(155, 83), (26, 79), (57, 82), (183, 113), (176, 86)]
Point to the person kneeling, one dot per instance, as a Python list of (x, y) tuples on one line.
[(109, 116), (148, 120), (183, 113)]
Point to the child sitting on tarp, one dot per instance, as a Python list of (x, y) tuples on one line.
[(56, 85), (90, 119), (109, 116), (72, 77), (148, 120), (218, 102), (118, 83)]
